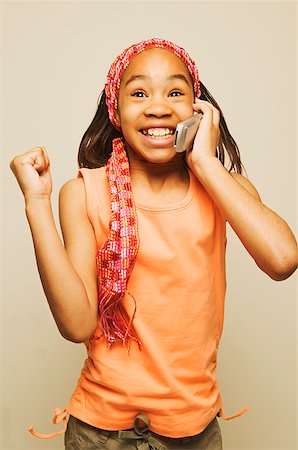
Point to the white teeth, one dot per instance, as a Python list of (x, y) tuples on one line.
[(158, 132)]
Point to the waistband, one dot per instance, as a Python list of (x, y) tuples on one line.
[(141, 426), (141, 433)]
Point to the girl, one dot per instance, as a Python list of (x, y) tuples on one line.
[(141, 275)]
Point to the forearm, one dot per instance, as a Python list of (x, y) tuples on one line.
[(266, 236), (65, 291)]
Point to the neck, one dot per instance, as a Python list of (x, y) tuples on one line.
[(152, 181), (176, 165), (156, 169)]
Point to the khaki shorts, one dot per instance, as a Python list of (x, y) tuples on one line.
[(80, 435)]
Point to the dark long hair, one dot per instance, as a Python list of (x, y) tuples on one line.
[(96, 144)]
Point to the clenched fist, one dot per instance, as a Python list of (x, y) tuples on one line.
[(32, 171)]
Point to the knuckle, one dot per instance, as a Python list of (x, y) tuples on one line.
[(14, 162)]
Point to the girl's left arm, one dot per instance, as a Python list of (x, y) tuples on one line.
[(265, 235)]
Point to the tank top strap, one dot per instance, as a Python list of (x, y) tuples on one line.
[(98, 203)]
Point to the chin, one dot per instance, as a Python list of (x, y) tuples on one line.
[(155, 156), (163, 159)]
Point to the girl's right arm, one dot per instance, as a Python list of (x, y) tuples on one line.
[(68, 274)]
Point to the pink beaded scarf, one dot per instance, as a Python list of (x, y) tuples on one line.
[(116, 259)]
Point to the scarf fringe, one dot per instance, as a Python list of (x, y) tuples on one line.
[(114, 324)]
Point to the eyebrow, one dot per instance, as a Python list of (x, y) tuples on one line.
[(176, 76), (136, 77)]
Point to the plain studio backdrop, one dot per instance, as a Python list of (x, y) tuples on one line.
[(55, 58)]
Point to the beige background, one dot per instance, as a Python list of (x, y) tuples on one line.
[(55, 56)]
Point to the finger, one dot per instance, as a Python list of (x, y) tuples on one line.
[(216, 117), (42, 151), (218, 137), (37, 159), (208, 109), (46, 156)]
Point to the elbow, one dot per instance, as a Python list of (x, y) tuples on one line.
[(76, 339), (78, 336), (282, 275), (283, 268)]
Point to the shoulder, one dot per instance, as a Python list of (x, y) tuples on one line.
[(76, 187), (74, 184), (246, 184), (84, 193), (72, 194), (73, 187)]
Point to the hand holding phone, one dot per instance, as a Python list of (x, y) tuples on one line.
[(186, 131)]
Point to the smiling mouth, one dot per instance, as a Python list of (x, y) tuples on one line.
[(158, 133)]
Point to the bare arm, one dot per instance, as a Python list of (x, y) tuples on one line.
[(265, 235), (80, 245), (70, 291)]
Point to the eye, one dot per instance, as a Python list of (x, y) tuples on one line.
[(139, 94), (176, 94)]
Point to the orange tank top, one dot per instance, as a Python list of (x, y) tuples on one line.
[(178, 283)]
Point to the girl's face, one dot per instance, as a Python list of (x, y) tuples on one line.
[(156, 93)]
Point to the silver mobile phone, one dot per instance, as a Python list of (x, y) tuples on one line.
[(186, 131)]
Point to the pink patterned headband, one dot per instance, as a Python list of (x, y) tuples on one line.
[(121, 62)]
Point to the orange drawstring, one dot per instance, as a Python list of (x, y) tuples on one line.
[(240, 413), (59, 415)]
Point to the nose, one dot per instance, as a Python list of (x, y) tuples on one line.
[(158, 107)]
